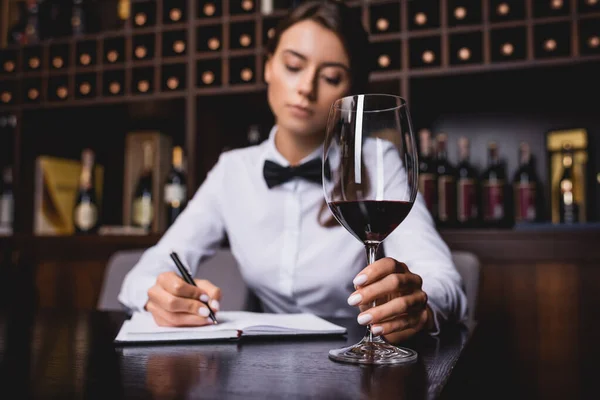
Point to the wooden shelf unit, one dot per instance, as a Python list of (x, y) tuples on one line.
[(403, 43)]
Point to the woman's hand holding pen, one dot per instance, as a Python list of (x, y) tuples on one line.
[(173, 302), (401, 309)]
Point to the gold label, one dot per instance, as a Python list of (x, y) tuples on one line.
[(172, 83), (245, 40), (34, 62), (209, 9), (85, 59), (85, 88), (140, 19), (175, 14), (86, 215), (6, 97), (9, 66), (214, 43), (208, 77), (33, 93), (114, 87), (57, 62), (142, 211), (382, 24), (112, 56), (247, 5), (62, 92), (140, 52), (246, 74), (174, 194)]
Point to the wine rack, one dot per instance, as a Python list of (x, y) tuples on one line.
[(410, 39), (190, 49)]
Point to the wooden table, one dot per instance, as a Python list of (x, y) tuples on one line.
[(51, 354)]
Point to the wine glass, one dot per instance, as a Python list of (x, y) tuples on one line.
[(370, 185)]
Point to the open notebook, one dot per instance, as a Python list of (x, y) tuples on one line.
[(232, 325)]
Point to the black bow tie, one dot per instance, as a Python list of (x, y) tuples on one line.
[(276, 174)]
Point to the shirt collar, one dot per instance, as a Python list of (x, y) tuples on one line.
[(273, 154)]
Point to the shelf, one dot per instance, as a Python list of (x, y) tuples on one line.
[(79, 247), (561, 245)]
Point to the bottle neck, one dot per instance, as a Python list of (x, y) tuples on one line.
[(177, 159), (85, 181), (524, 157), (148, 161), (442, 153), (464, 155), (87, 168), (567, 160), (493, 157), (425, 148)]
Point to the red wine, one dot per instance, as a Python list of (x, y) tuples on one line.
[(370, 221)]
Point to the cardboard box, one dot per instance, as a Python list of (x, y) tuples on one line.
[(554, 142), (55, 190)]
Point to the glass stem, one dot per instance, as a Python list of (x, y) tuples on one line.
[(371, 257)]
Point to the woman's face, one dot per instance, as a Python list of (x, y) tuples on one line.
[(308, 72)]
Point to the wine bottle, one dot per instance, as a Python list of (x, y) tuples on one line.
[(568, 207), (16, 33), (493, 181), (446, 183), (175, 189), (427, 172), (32, 29), (78, 25), (525, 187), (6, 199), (142, 207), (467, 210), (26, 30), (253, 135), (85, 212)]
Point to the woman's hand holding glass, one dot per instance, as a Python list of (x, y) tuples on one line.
[(401, 309)]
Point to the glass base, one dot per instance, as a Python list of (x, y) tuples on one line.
[(376, 351)]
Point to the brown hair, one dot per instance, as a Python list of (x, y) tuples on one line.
[(346, 23)]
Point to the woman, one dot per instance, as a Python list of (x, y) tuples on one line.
[(291, 258)]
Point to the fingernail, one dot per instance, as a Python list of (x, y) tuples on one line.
[(354, 299), (360, 279), (204, 312), (204, 298), (377, 330), (364, 319), (215, 304)]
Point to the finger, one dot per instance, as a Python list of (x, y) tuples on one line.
[(378, 270), (165, 318), (174, 284), (391, 285), (212, 293), (171, 303), (394, 308), (408, 324)]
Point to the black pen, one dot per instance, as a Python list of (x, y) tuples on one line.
[(188, 278)]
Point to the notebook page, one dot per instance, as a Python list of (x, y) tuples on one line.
[(256, 323), (141, 327)]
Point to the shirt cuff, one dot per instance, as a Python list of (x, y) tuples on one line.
[(438, 318), (136, 296)]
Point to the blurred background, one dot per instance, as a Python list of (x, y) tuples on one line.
[(113, 111)]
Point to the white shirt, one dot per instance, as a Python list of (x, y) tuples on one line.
[(286, 257)]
